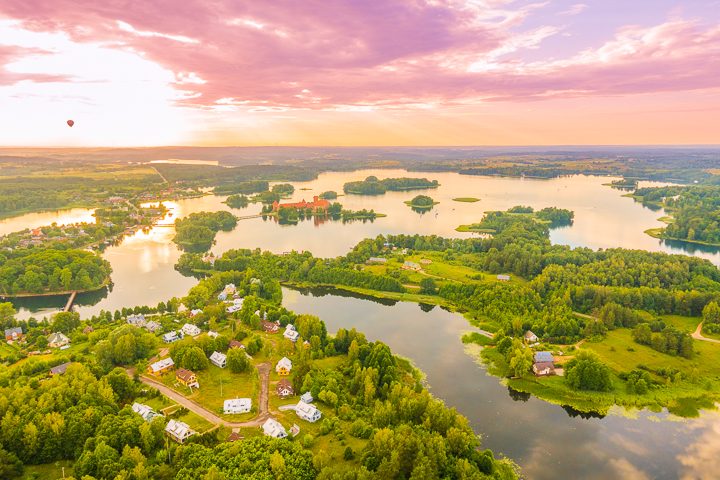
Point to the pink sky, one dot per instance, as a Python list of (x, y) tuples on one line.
[(363, 72)]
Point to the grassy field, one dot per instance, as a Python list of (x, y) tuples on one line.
[(48, 471)]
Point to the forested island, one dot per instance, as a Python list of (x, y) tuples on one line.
[(421, 202), (103, 414), (237, 201), (293, 214), (373, 186), (494, 221), (618, 322), (197, 231), (694, 212)]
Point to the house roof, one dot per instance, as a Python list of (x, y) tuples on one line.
[(13, 330), (162, 364), (544, 357), (57, 337), (273, 428), (218, 357), (178, 429), (284, 363), (235, 344), (237, 404), (305, 409), (544, 365), (234, 437), (60, 369), (285, 384), (184, 374), (530, 334), (145, 411)]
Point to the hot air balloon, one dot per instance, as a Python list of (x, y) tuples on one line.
[(70, 123)]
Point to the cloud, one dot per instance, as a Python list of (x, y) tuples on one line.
[(575, 9)]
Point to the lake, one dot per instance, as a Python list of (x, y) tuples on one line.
[(548, 441)]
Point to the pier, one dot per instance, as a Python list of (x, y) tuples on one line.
[(71, 300)]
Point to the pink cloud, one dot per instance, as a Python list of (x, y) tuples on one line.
[(331, 55)]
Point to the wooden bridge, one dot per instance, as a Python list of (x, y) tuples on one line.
[(71, 300)]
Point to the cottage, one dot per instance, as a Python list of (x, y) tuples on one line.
[(284, 366), (222, 296), (171, 337), (218, 359), (147, 413), (57, 340), (284, 388), (290, 333), (307, 397), (272, 428), (161, 366), (178, 431), (503, 278), (137, 320), (230, 289), (530, 337), (270, 327), (376, 261), (411, 266), (543, 368), (60, 369), (307, 412), (233, 308), (195, 312), (237, 405), (236, 344), (152, 326), (14, 334), (187, 378), (543, 357), (191, 330)]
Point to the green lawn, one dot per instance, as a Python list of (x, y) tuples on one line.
[(48, 471)]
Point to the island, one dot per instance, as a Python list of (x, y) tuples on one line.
[(466, 199), (552, 217), (373, 186), (237, 201), (329, 195), (421, 203), (197, 231), (320, 210)]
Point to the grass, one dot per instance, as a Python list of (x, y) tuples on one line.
[(48, 471), (466, 199)]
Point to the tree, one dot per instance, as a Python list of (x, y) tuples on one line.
[(711, 313), (428, 286), (521, 359), (10, 465), (66, 322), (237, 360), (587, 372), (194, 358)]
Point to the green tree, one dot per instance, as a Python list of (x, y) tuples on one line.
[(587, 372), (521, 359), (237, 360)]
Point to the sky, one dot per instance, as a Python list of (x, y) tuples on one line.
[(359, 72)]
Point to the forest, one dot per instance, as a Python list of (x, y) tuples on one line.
[(373, 186), (196, 232)]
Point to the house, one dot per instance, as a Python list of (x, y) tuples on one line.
[(187, 378), (14, 334), (543, 357), (307, 412), (195, 312), (543, 368), (171, 337), (237, 405), (178, 431), (284, 366), (152, 326), (295, 430), (182, 308), (145, 412), (60, 369), (212, 334), (285, 389), (233, 308), (137, 320), (503, 278), (234, 437), (376, 260), (88, 330), (317, 204), (230, 289), (270, 327), (530, 337), (235, 344), (222, 296), (411, 266), (307, 397), (290, 333), (219, 359), (272, 428), (191, 330), (161, 366), (57, 340)]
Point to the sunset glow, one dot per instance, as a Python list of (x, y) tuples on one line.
[(426, 72)]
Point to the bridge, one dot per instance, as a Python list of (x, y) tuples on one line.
[(71, 300)]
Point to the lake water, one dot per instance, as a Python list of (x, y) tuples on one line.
[(544, 439)]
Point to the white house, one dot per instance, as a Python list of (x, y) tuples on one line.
[(195, 312), (530, 337), (284, 366), (272, 428), (152, 326), (145, 412), (307, 397), (191, 330), (137, 320), (290, 333), (161, 366), (178, 430), (171, 337), (307, 411), (219, 359), (237, 405), (57, 340), (503, 278), (233, 308), (213, 334), (222, 296)]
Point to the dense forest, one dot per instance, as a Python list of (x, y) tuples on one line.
[(373, 186), (196, 232), (695, 211)]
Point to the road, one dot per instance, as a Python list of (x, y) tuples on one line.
[(697, 335), (193, 406)]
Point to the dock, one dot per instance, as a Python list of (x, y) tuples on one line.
[(71, 300)]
